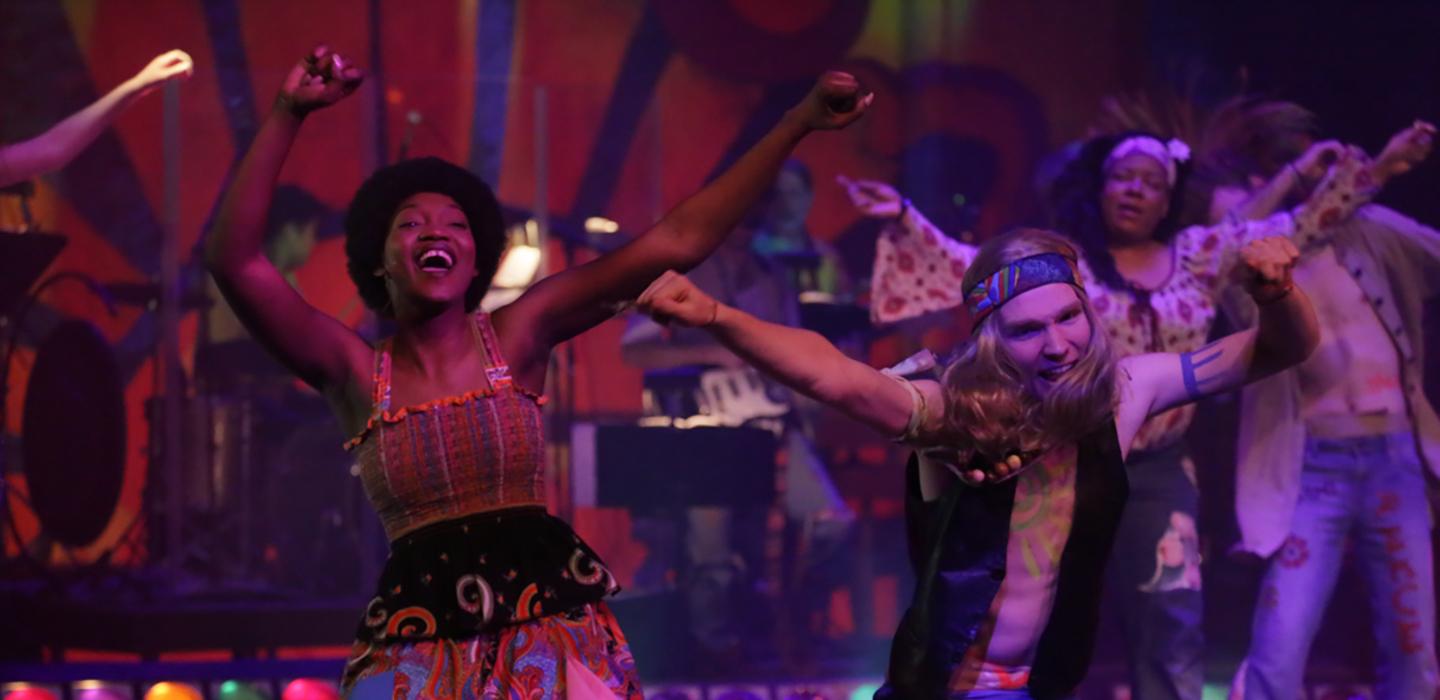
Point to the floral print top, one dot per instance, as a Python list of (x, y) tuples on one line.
[(918, 269)]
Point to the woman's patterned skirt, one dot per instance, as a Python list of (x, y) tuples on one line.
[(495, 605)]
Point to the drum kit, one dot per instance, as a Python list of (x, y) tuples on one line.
[(269, 505)]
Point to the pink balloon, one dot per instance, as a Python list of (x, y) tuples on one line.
[(98, 694), (310, 689), (31, 693)]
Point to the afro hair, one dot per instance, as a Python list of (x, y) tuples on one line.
[(367, 223)]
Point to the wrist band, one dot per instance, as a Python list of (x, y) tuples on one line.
[(918, 408)]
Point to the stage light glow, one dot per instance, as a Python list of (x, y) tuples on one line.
[(1215, 691), (865, 691), (518, 268), (600, 224)]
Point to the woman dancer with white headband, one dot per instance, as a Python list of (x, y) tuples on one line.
[(1153, 287)]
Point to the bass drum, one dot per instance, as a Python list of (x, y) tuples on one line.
[(73, 434)]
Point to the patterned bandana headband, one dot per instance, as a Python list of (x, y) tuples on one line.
[(1017, 278), (1167, 153)]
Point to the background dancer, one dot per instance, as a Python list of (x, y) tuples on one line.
[(1339, 447)]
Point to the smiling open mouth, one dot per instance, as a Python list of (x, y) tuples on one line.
[(1056, 372), (436, 260)]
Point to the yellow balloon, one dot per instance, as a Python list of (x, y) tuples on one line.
[(169, 690)]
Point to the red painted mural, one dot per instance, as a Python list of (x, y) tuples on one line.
[(616, 108)]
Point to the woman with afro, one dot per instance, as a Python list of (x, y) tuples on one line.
[(484, 593)]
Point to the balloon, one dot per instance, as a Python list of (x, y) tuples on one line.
[(99, 692), (237, 690), (22, 691), (169, 690), (310, 689)]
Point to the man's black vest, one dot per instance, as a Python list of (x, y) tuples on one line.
[(958, 549)]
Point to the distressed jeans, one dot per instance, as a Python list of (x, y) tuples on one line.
[(1373, 489)]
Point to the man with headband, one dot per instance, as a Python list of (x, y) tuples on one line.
[(1153, 288), (1013, 501)]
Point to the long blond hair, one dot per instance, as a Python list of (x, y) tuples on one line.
[(991, 409)]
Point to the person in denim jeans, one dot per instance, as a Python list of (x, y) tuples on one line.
[(1338, 447), (1372, 488)]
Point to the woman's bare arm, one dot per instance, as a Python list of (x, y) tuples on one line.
[(566, 304), (60, 144), (317, 348)]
